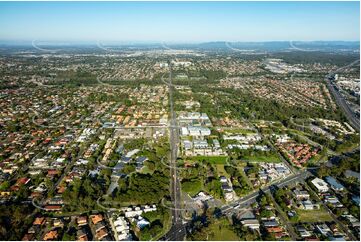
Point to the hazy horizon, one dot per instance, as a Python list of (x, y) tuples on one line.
[(120, 42), (181, 22)]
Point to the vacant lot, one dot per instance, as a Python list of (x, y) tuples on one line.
[(313, 216), (221, 231), (221, 171), (192, 187), (261, 158), (210, 159), (241, 131)]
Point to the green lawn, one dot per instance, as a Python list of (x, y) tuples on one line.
[(221, 232), (313, 216), (145, 170), (210, 159), (317, 159), (192, 187), (221, 171), (241, 131), (261, 158)]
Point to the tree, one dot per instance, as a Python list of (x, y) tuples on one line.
[(323, 171), (5, 186)]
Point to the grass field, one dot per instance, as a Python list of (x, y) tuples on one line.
[(192, 187), (240, 131), (317, 159), (313, 216), (261, 158), (221, 171), (145, 170), (221, 232), (210, 159)]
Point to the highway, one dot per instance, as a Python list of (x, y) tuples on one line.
[(177, 231), (351, 116)]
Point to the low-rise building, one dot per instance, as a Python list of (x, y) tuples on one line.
[(320, 185), (335, 185), (301, 194)]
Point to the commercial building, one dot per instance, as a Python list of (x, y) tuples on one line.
[(320, 185), (335, 185)]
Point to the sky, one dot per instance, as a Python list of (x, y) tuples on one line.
[(179, 21)]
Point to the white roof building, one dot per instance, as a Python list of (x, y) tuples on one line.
[(131, 214), (320, 184), (200, 144), (184, 131)]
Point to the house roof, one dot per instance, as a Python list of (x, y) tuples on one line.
[(51, 235), (28, 237), (39, 221), (101, 233), (334, 183), (53, 207), (99, 226), (82, 219), (349, 173), (96, 218)]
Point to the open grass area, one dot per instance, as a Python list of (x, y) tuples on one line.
[(313, 216), (145, 170), (221, 171), (192, 187), (261, 158), (210, 159), (221, 231), (317, 159), (240, 131)]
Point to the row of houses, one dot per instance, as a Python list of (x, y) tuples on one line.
[(120, 227), (138, 210), (201, 147), (195, 131), (194, 119)]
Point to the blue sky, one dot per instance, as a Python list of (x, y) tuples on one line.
[(179, 21)]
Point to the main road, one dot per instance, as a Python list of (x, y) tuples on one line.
[(243, 202), (351, 116), (177, 231), (251, 198)]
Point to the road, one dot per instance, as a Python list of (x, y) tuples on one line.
[(251, 198), (351, 116), (300, 177), (284, 219), (177, 231), (66, 170), (241, 203)]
